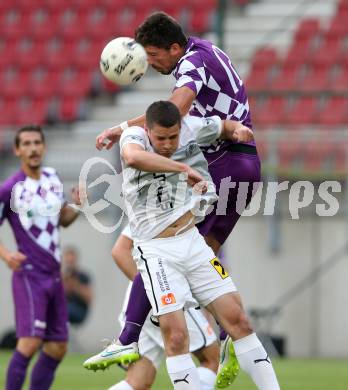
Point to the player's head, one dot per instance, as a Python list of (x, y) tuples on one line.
[(163, 40), (29, 145), (162, 123)]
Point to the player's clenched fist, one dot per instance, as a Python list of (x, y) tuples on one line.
[(108, 138)]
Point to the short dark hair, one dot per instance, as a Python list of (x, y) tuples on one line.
[(32, 128), (163, 113), (160, 30)]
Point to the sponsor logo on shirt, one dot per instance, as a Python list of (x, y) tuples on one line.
[(168, 299), (219, 268)]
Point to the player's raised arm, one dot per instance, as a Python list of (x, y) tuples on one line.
[(136, 157)]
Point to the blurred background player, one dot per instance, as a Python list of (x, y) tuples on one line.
[(141, 374), (206, 84), (33, 202), (77, 286)]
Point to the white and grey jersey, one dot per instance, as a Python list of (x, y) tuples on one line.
[(155, 200)]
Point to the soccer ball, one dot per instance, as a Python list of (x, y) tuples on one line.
[(123, 61)]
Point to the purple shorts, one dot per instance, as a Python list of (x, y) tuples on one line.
[(40, 306), (231, 167)]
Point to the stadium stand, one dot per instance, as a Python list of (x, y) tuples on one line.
[(303, 87), (49, 51)]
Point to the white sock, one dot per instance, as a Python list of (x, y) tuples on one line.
[(183, 372), (206, 378), (253, 359), (121, 386)]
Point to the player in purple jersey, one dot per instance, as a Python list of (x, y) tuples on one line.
[(206, 84), (33, 203)]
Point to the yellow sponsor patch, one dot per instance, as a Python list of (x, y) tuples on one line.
[(219, 268)]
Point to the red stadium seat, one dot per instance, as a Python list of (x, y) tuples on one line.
[(317, 78), (290, 155), (74, 82), (87, 53), (14, 83), (13, 23), (318, 156), (58, 53), (340, 82), (309, 27), (43, 83), (288, 78), (7, 52), (30, 52), (329, 51), (334, 112), (271, 112), (42, 23), (31, 111), (263, 64), (302, 111), (69, 109)]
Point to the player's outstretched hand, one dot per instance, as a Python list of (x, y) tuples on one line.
[(108, 138), (14, 260), (242, 133)]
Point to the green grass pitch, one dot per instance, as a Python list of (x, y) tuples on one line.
[(293, 375)]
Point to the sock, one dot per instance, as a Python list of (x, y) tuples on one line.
[(206, 378), (138, 308), (253, 359), (183, 372), (16, 371), (121, 386), (43, 372)]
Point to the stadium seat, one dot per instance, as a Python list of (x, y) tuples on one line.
[(74, 82), (43, 83), (42, 23), (290, 155), (317, 78), (288, 77), (340, 82), (270, 112), (329, 51), (302, 111), (334, 112), (69, 109), (87, 53), (30, 110), (13, 23), (263, 65), (318, 157)]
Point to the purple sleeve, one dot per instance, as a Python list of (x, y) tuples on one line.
[(5, 196), (191, 74)]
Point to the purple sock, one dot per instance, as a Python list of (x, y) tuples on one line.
[(223, 334), (138, 308), (43, 372), (16, 371)]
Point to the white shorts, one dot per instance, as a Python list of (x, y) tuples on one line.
[(151, 344), (179, 270)]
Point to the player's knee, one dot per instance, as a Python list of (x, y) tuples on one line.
[(56, 350), (240, 325), (28, 346), (177, 342)]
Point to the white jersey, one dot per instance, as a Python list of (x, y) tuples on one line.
[(155, 200)]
